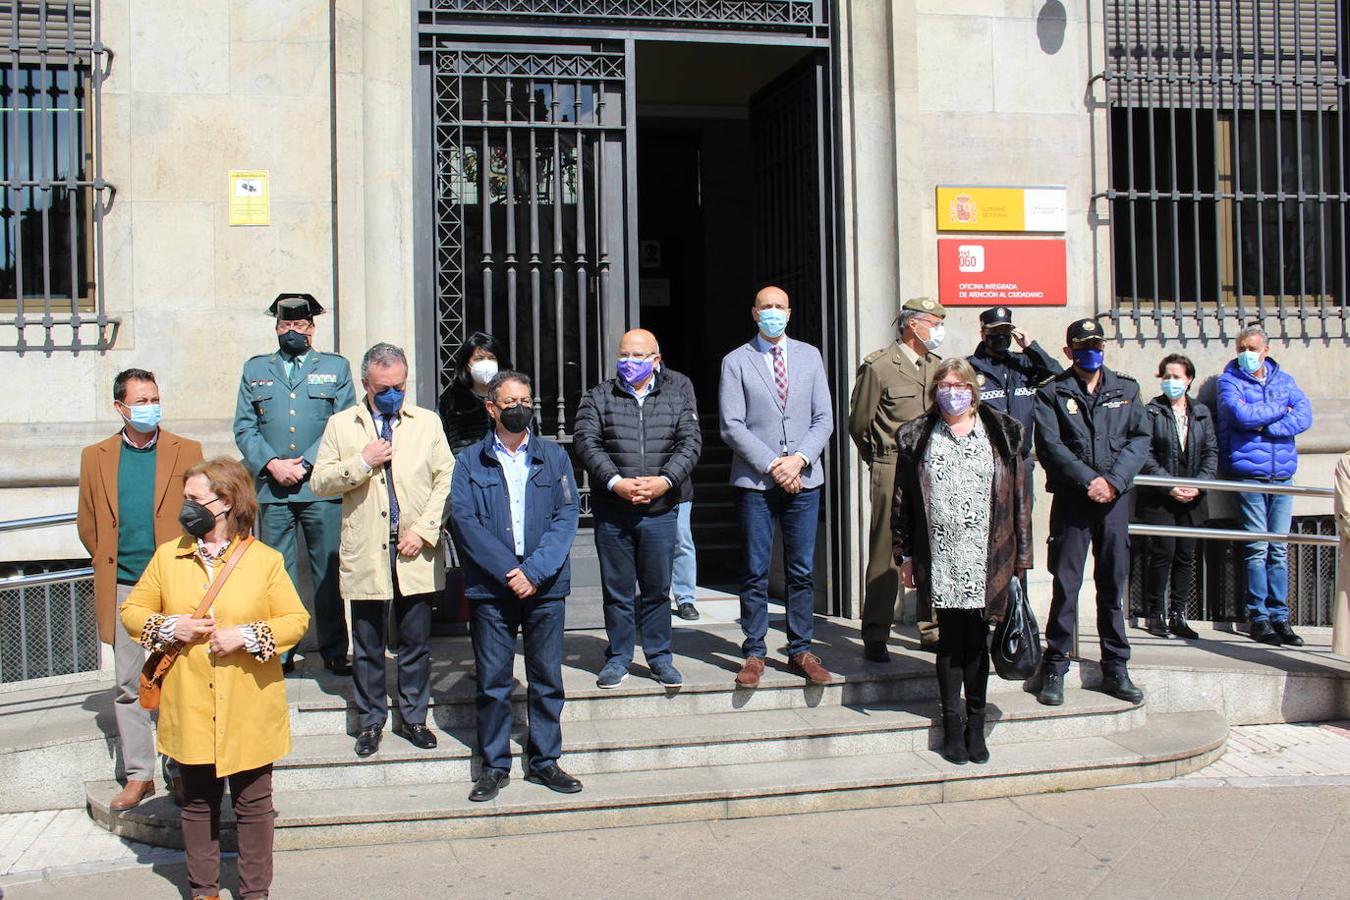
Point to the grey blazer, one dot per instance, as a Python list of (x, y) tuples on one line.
[(758, 430)]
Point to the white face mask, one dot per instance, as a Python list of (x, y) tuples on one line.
[(935, 336), (483, 371)]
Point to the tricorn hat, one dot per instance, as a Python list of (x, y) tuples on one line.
[(289, 307)]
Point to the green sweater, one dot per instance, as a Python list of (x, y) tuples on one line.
[(135, 512)]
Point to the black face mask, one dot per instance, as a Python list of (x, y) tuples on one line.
[(293, 343), (999, 344), (196, 519), (516, 419)]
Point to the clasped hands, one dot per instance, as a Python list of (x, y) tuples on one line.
[(1100, 490), (786, 472), (222, 641), (1184, 493), (641, 491), (287, 472)]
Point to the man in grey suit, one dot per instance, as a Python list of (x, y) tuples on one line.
[(775, 415)]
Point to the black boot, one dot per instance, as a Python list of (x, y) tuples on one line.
[(1180, 627), (953, 739), (975, 746), (1157, 627)]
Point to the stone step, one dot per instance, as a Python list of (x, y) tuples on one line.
[(1164, 747), (775, 735)]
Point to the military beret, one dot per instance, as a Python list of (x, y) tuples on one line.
[(289, 307), (1082, 331)]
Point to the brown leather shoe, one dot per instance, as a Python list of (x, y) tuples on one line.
[(751, 670), (132, 795), (808, 664)]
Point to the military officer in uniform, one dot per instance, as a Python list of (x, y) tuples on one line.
[(1092, 438), (285, 399), (1008, 378), (891, 389)]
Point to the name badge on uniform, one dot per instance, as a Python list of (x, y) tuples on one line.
[(323, 378), (262, 382), (1071, 406), (1116, 404)]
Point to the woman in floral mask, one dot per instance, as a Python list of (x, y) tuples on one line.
[(962, 522)]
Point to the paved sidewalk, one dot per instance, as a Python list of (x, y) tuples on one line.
[(1146, 840)]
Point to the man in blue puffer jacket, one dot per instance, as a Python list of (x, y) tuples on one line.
[(1261, 410)]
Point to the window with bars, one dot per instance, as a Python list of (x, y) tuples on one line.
[(1228, 169), (52, 64)]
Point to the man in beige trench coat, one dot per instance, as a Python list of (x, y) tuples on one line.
[(390, 462)]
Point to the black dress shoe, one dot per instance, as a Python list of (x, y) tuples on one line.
[(488, 784), (419, 736), (687, 611), (1286, 634), (368, 741), (1263, 633), (1120, 687), (338, 666), (287, 665), (1052, 689), (875, 651), (555, 779), (1181, 628), (1157, 627)]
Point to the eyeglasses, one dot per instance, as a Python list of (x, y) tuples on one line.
[(512, 404), (636, 357)]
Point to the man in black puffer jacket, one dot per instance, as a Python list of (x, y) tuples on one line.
[(638, 436)]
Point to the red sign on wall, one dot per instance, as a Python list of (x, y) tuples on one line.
[(1002, 272)]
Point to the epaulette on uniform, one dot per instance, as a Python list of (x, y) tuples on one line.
[(874, 356)]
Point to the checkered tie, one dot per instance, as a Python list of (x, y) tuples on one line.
[(387, 434), (780, 375)]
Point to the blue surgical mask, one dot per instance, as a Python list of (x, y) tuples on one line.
[(389, 401), (634, 371), (1089, 359), (1174, 387), (773, 322), (1249, 361), (144, 417)]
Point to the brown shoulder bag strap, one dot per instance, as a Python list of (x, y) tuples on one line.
[(219, 580)]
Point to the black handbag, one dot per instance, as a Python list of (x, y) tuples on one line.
[(1016, 643)]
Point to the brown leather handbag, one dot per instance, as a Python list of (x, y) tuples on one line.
[(158, 663)]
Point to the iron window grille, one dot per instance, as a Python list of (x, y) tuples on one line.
[(54, 194), (795, 16), (1228, 172)]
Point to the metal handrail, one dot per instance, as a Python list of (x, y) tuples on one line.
[(37, 522), (24, 581), (1233, 487), (1231, 534)]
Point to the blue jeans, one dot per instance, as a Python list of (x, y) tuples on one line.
[(635, 554), (1267, 563), (797, 514), (495, 626), (684, 576)]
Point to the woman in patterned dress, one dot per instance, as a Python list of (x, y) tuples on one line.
[(962, 523)]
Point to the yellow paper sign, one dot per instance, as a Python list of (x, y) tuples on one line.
[(1002, 209), (250, 197)]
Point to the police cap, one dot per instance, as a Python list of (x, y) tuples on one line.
[(996, 317), (1083, 331), (290, 307)]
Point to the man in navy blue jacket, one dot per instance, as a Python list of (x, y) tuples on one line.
[(1261, 411), (513, 514)]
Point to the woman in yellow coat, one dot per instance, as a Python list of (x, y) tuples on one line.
[(223, 711)]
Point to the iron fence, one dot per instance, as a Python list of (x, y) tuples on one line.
[(48, 625)]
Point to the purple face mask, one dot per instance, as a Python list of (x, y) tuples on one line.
[(635, 371), (953, 400)]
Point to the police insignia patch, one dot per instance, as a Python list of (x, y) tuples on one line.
[(1071, 406)]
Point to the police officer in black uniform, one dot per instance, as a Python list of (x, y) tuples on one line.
[(1092, 438), (1008, 379)]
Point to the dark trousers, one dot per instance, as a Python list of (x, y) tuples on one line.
[(321, 522), (1077, 523), (1169, 560), (412, 619), (797, 515), (495, 626), (251, 796), (636, 554), (962, 658)]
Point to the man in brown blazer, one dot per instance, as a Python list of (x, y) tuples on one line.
[(891, 389), (131, 491)]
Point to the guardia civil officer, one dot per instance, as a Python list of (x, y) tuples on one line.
[(285, 399), (1008, 377), (1092, 438), (891, 389)]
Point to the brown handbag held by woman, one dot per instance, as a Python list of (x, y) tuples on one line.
[(158, 663)]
